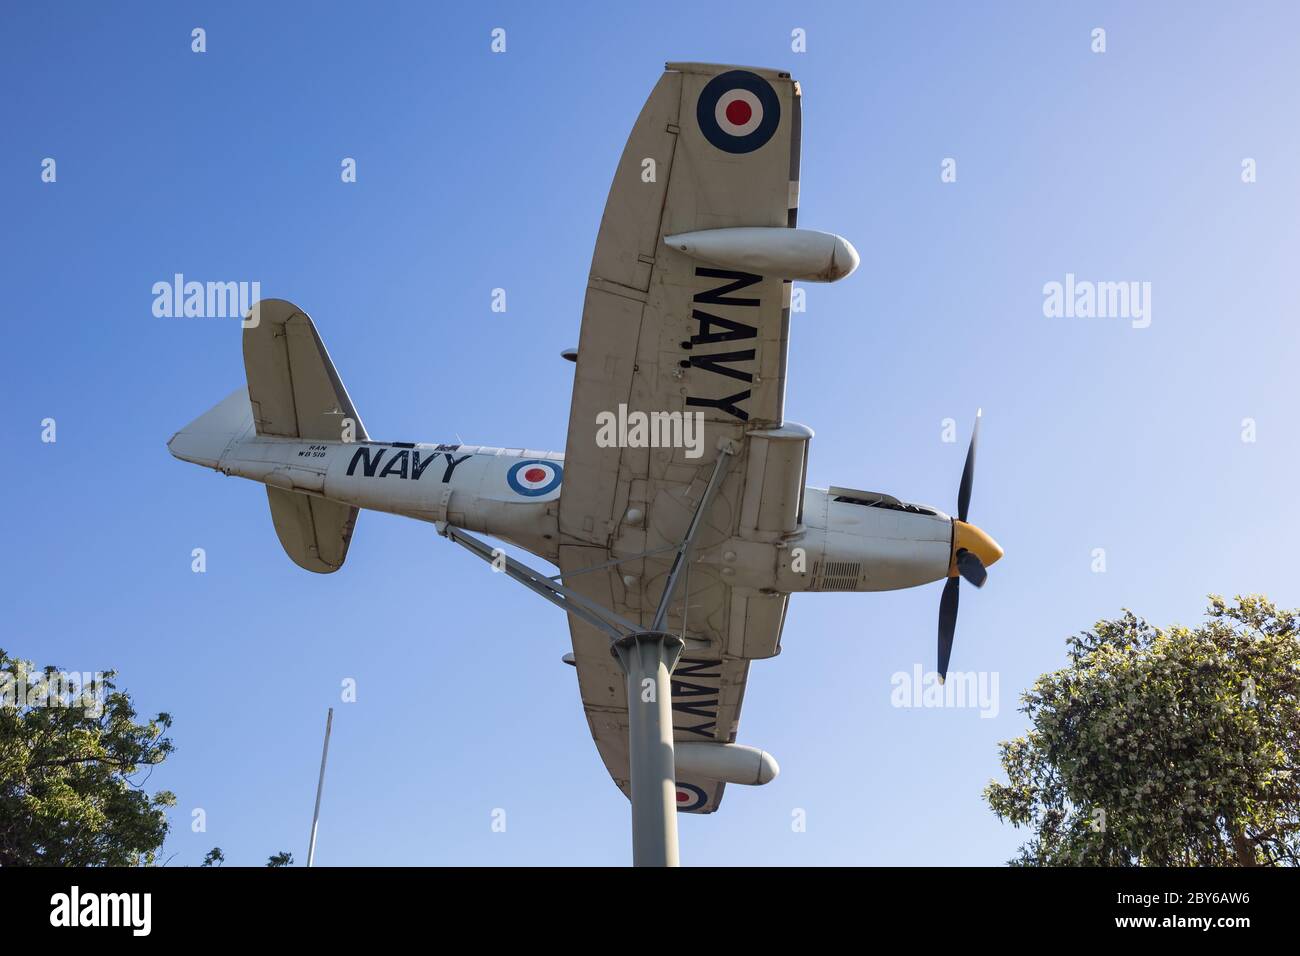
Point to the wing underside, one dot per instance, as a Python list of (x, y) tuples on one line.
[(664, 334)]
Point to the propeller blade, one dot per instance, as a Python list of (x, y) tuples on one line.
[(947, 624), (968, 473), (970, 567)]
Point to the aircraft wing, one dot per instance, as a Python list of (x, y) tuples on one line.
[(714, 147)]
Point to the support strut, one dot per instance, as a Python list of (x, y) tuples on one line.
[(683, 557)]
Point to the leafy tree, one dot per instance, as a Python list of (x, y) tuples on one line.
[(1163, 747), (70, 768), (217, 857)]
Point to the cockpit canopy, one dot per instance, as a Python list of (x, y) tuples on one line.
[(878, 499)]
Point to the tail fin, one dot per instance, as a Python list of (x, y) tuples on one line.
[(293, 392)]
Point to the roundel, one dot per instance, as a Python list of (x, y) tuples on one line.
[(533, 478), (690, 797), (738, 111)]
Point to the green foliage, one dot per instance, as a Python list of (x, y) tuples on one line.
[(1163, 747), (70, 769), (214, 857), (283, 858)]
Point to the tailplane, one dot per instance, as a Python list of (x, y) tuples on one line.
[(293, 392)]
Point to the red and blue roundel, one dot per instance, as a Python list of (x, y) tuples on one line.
[(690, 797), (738, 111), (533, 478)]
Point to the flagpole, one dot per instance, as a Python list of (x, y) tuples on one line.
[(320, 785)]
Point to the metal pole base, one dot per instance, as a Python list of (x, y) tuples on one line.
[(648, 659)]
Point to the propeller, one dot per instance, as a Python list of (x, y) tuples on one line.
[(973, 551), (947, 624), (970, 567)]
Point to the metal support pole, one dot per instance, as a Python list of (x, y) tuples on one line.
[(320, 785), (648, 659)]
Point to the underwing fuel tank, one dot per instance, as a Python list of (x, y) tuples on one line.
[(803, 254), (730, 763)]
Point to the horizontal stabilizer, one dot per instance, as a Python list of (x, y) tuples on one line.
[(292, 384), (314, 532), (293, 393)]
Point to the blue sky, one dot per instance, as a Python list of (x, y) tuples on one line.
[(478, 171)]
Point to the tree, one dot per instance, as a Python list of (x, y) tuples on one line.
[(215, 857), (1163, 747), (71, 756)]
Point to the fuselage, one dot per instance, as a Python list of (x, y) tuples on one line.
[(845, 541)]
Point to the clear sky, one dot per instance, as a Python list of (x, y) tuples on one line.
[(478, 170)]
